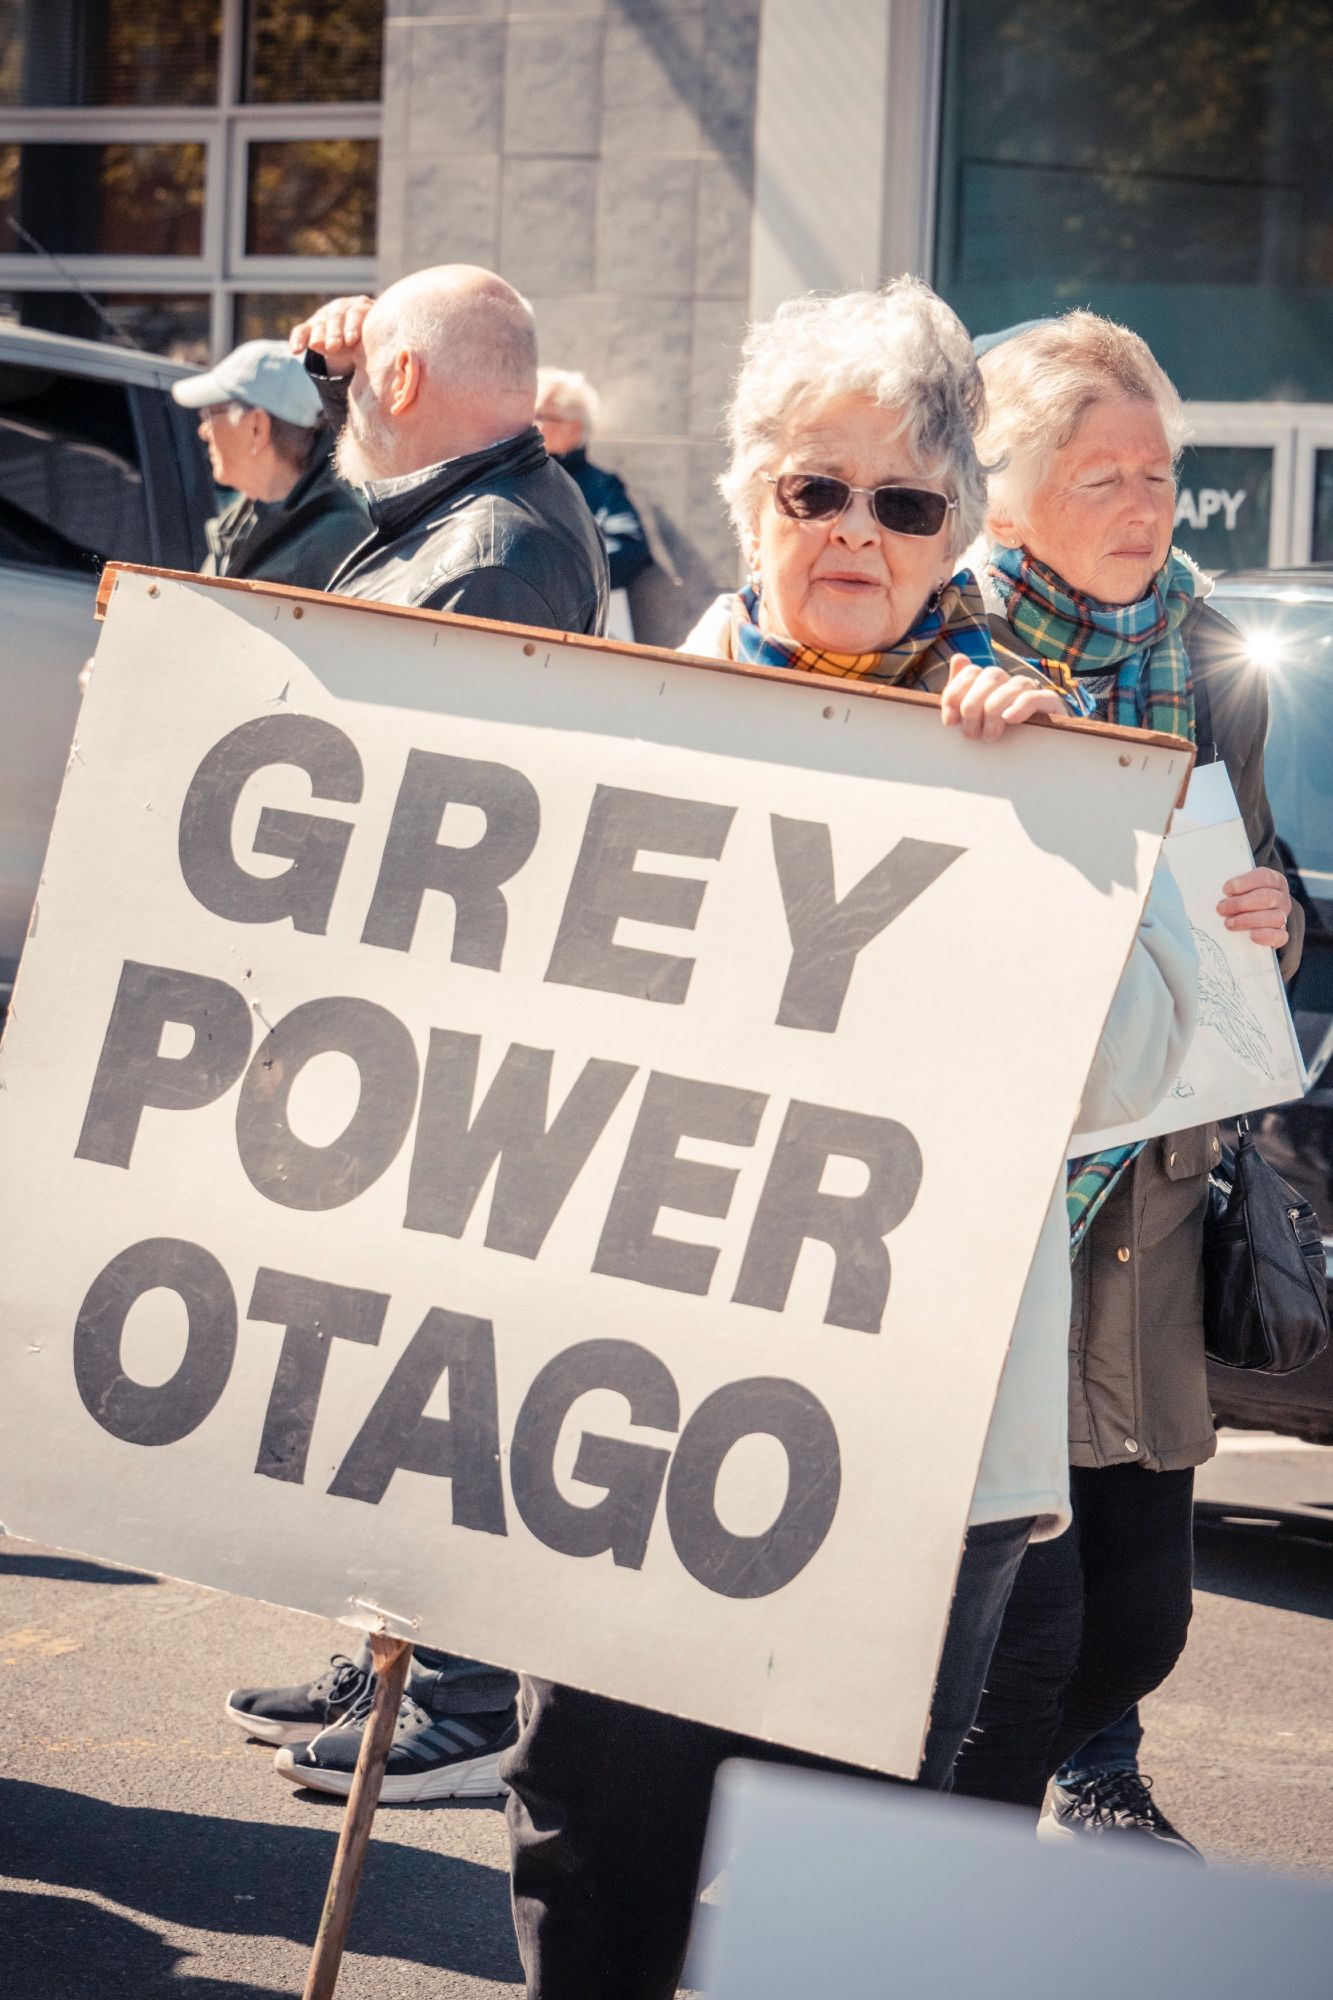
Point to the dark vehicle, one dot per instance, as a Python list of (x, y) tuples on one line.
[(1287, 619), (96, 464)]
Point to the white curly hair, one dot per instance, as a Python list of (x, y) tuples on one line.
[(902, 348), (568, 394)]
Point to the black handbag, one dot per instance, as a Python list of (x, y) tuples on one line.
[(1265, 1292)]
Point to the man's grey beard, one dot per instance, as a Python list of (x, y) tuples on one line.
[(365, 453)]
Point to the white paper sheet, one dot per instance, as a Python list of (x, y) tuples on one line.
[(1244, 1055)]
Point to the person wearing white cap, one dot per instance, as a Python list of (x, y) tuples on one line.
[(293, 519)]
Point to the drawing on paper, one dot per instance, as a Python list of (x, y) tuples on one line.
[(1223, 1007)]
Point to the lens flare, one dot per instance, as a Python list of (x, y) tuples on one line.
[(1266, 648)]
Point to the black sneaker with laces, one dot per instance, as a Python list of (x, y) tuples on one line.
[(431, 1757), (295, 1714), (1112, 1802)]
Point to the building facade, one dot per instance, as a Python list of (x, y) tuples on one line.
[(651, 173)]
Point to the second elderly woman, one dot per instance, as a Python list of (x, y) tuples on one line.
[(853, 484), (1086, 427)]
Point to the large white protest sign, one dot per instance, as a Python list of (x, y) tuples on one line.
[(1244, 1054), (546, 1141)]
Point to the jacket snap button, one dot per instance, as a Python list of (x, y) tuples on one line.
[(1123, 1254), (1171, 1161), (1131, 1444)]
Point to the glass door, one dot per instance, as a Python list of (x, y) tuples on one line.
[(1233, 497), (1256, 485)]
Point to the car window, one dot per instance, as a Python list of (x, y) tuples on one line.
[(1294, 642), (71, 485)]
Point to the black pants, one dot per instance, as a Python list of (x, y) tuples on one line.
[(609, 1806), (1096, 1619)]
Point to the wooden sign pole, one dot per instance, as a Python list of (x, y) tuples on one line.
[(391, 1659)]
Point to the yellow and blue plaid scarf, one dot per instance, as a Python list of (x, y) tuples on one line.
[(954, 623), (1131, 659)]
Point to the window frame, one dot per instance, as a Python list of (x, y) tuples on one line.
[(225, 128), (1314, 433)]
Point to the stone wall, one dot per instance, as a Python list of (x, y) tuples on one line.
[(599, 153)]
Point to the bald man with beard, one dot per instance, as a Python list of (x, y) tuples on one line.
[(432, 389)]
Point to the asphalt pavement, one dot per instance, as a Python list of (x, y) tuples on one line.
[(146, 1849)]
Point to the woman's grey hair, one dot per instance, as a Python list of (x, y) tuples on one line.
[(900, 347), (568, 394), (298, 445), (1041, 384)]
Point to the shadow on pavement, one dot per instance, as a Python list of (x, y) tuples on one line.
[(1264, 1555), (331, 1803), (58, 1948), (70, 1569), (239, 1878)]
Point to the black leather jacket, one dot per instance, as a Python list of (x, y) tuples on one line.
[(501, 533)]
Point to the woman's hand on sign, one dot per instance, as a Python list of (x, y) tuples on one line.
[(335, 332), (1259, 903), (985, 701)]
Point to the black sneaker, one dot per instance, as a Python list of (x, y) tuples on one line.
[(295, 1714), (431, 1756), (1113, 1802)]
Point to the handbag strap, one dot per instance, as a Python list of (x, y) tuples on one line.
[(1205, 743)]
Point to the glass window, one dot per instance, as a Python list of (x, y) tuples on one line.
[(1166, 167), (311, 198), (272, 315), (299, 52), (70, 484), (178, 325), (175, 324), (1321, 547), (110, 200), (1224, 505), (113, 52)]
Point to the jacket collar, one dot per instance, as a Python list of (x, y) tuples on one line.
[(257, 522), (395, 503), (312, 478)]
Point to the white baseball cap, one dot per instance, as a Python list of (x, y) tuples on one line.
[(262, 373)]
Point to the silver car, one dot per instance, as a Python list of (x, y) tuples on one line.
[(1286, 617), (96, 464)]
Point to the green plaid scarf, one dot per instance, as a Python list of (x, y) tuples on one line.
[(1130, 657), (954, 623), (1132, 660)]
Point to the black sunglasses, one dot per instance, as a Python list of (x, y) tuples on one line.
[(817, 496)]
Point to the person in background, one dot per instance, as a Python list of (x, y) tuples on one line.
[(567, 406), (432, 388), (854, 484), (1083, 427), (293, 520)]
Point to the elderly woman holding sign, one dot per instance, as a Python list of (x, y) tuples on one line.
[(854, 483), (1085, 427)]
